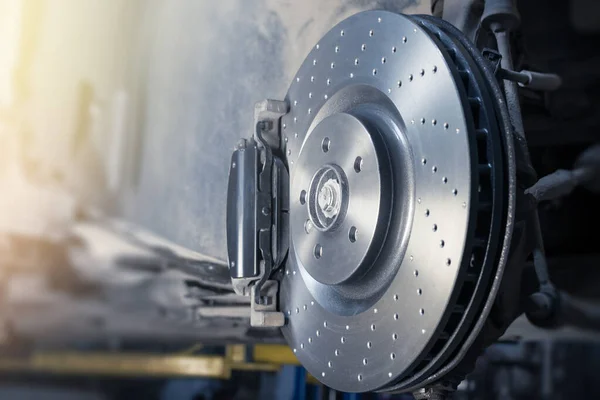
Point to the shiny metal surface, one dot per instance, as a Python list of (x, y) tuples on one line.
[(338, 152), (389, 74)]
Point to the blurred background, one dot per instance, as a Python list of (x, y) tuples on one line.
[(117, 121)]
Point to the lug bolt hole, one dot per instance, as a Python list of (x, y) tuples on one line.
[(352, 234), (307, 226), (303, 197), (318, 252), (325, 144), (358, 164)]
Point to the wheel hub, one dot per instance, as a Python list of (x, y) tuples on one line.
[(338, 184)]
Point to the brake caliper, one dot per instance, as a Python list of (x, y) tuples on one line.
[(257, 214)]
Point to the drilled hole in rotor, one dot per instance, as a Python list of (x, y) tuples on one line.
[(352, 234), (303, 197), (318, 251), (358, 164), (325, 144)]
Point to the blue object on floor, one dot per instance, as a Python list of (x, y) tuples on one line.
[(300, 383), (351, 396)]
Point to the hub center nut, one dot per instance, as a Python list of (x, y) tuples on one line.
[(328, 198)]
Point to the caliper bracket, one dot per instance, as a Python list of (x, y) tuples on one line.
[(257, 213)]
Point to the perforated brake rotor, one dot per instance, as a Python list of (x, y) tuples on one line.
[(385, 188)]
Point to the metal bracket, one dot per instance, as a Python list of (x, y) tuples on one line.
[(269, 112), (263, 311), (257, 213)]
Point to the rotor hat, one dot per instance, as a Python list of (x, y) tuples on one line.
[(338, 185)]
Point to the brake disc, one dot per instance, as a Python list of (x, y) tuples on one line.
[(398, 202)]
